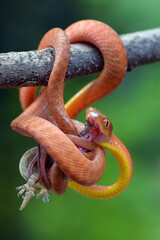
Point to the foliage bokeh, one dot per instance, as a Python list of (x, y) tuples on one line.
[(134, 109)]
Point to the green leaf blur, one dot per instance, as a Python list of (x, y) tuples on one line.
[(134, 109)]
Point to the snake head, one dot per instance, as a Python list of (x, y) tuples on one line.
[(98, 127)]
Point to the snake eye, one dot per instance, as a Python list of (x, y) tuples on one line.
[(106, 123)]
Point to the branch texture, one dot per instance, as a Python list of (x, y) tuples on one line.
[(33, 68)]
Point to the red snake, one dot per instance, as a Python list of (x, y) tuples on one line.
[(58, 140)]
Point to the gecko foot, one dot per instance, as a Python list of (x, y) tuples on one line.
[(45, 194), (30, 190)]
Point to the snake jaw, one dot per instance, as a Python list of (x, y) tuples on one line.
[(92, 131)]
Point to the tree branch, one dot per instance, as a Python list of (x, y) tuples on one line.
[(33, 68)]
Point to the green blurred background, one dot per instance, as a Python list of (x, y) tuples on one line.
[(134, 109)]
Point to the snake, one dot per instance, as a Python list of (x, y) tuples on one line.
[(35, 120)]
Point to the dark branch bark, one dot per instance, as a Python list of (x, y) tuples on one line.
[(33, 68)]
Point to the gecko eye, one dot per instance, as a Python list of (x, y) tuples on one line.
[(106, 123)]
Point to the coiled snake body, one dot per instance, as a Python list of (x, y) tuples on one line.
[(57, 134)]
